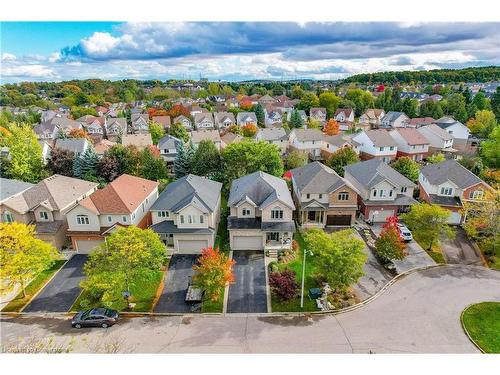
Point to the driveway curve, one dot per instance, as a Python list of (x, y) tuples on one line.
[(420, 313)]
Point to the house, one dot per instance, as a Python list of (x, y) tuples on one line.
[(45, 205), (333, 143), (383, 192), (266, 100), (376, 144), (302, 114), (11, 188), (261, 213), (115, 128), (440, 141), (162, 120), (168, 146), (420, 121), (276, 136), (46, 131), (204, 121), (46, 150), (103, 145), (123, 202), (245, 118), (449, 184), (229, 138), (224, 120), (94, 126), (411, 143), (184, 121), (373, 117), (459, 131), (273, 117), (309, 141), (187, 213), (322, 197), (139, 123), (318, 114), (76, 145), (141, 141), (394, 120), (199, 135), (65, 125), (344, 115)]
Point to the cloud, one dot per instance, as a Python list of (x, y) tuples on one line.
[(8, 56)]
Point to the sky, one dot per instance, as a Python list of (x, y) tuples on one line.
[(235, 51)]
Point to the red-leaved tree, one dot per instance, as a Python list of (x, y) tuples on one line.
[(331, 127), (283, 284), (389, 244)]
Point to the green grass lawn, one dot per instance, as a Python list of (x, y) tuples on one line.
[(143, 295), (222, 237), (296, 266), (437, 257), (36, 284), (482, 321), (491, 254), (213, 306)]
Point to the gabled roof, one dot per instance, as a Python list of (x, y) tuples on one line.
[(135, 117), (304, 135), (122, 196), (450, 170), (199, 135), (261, 188), (412, 136), (222, 116), (393, 116), (204, 193), (169, 141), (437, 131), (246, 116), (162, 120), (9, 187), (138, 140), (380, 138), (446, 122), (347, 111), (272, 134), (374, 113), (200, 117), (371, 172), (316, 177), (76, 145)]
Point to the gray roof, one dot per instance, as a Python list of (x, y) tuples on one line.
[(199, 135), (393, 116), (9, 187), (316, 177), (200, 191), (261, 188), (304, 135), (450, 170), (221, 116), (44, 127), (371, 172), (199, 117), (436, 130), (234, 222), (272, 134), (168, 226), (243, 116), (445, 122), (64, 122), (169, 142), (381, 138), (76, 145), (136, 116)]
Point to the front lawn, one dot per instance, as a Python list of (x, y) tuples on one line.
[(437, 255), (296, 266), (209, 306), (482, 321), (143, 293), (492, 254), (33, 287)]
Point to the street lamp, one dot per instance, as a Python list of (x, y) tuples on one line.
[(303, 277)]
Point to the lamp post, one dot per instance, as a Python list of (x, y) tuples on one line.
[(303, 278)]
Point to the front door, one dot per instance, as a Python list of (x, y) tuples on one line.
[(273, 236), (311, 215)]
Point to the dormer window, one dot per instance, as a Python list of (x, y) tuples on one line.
[(446, 191), (404, 189), (344, 196), (82, 220), (277, 213), (44, 215), (245, 212)]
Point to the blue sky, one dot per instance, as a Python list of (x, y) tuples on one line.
[(53, 51)]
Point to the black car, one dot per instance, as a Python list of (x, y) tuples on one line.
[(99, 317)]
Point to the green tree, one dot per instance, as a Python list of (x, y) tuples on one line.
[(495, 103), (342, 158), (339, 256), (86, 164), (261, 117), (428, 222), (456, 107), (362, 100), (308, 100), (436, 158), (206, 160), (128, 157), (297, 92), (77, 112), (153, 166), (178, 131), (156, 130), (295, 159), (247, 156), (22, 255), (182, 162), (61, 162), (407, 167), (483, 123), (296, 121), (432, 109), (409, 107), (490, 149), (330, 101)]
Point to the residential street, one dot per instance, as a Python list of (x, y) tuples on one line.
[(418, 314)]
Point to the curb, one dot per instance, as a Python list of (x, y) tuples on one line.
[(467, 332)]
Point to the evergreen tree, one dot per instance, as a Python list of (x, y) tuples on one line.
[(183, 161), (296, 120), (86, 164), (261, 117)]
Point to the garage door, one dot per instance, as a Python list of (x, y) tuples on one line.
[(247, 243), (85, 247), (455, 218), (381, 215), (191, 246), (338, 220)]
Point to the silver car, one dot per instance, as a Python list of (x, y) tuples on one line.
[(405, 233)]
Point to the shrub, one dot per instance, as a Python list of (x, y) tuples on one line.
[(295, 246), (273, 266), (283, 284)]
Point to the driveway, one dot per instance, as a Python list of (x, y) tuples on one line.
[(248, 293), (180, 270), (460, 250), (63, 290)]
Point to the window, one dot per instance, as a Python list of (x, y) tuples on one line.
[(245, 212), (477, 194), (201, 219), (190, 219), (82, 219), (124, 219), (8, 217), (133, 216), (162, 213), (374, 193), (110, 219), (344, 196), (44, 215), (390, 193), (381, 148), (446, 190), (182, 219), (320, 196), (391, 148), (308, 196), (382, 193), (276, 213), (143, 207), (404, 189)]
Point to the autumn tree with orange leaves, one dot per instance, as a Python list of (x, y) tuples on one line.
[(212, 272), (249, 130), (177, 110), (331, 127), (246, 104), (77, 133)]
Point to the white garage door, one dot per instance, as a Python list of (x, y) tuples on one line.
[(381, 215), (191, 246), (455, 218), (247, 243), (85, 247)]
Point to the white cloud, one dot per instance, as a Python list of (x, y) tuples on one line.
[(8, 56), (54, 57)]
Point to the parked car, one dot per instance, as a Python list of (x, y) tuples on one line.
[(99, 317), (405, 233)]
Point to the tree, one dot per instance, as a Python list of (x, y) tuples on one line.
[(283, 284), (407, 167), (153, 166), (436, 158), (24, 161), (429, 108), (86, 164), (206, 160), (61, 162), (342, 158), (77, 133), (490, 149), (260, 115), (22, 255), (178, 131), (295, 159), (129, 158), (248, 156), (156, 130), (331, 127), (483, 123), (249, 130), (297, 92), (428, 222), (330, 101), (390, 245), (308, 100), (361, 99), (296, 121), (213, 271), (473, 164), (77, 112), (495, 103), (456, 107), (339, 256), (129, 255), (314, 124), (108, 168), (182, 162), (409, 107)]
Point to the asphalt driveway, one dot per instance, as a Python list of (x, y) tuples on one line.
[(63, 290), (460, 250), (180, 270), (248, 293)]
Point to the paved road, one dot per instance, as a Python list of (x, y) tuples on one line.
[(459, 250), (63, 290), (248, 293), (180, 269), (418, 314)]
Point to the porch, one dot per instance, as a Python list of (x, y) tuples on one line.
[(313, 218)]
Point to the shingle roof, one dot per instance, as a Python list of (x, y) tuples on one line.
[(139, 140), (246, 116), (199, 135), (445, 122), (304, 135), (221, 116), (188, 189), (76, 145), (162, 120), (261, 188), (450, 170), (436, 130), (9, 187), (412, 136), (380, 138), (168, 141), (393, 116), (272, 134), (316, 177), (371, 172)]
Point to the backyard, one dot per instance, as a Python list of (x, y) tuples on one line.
[(483, 324)]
